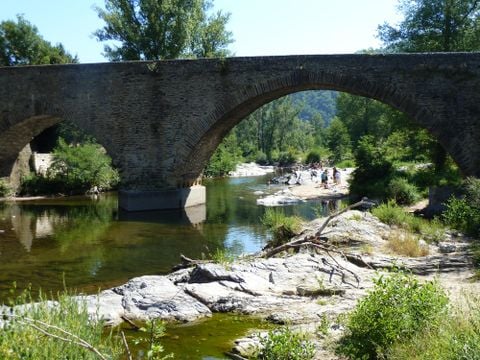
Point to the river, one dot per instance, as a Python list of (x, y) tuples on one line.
[(87, 244)]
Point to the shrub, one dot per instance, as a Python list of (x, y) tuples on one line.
[(349, 163), (313, 156), (284, 344), (79, 168), (390, 213), (395, 310), (287, 158), (456, 337), (459, 214), (283, 227), (402, 191), (261, 158), (5, 189)]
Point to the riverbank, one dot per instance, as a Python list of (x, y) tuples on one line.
[(302, 186), (301, 289)]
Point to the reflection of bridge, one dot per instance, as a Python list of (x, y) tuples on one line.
[(161, 121)]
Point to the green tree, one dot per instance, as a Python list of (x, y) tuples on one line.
[(434, 25), (79, 168), (338, 140), (162, 29), (21, 44)]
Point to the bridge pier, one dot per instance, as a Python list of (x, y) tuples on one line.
[(139, 200)]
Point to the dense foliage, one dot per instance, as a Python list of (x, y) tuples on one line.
[(162, 29), (75, 170), (434, 25), (21, 44), (397, 308), (464, 213)]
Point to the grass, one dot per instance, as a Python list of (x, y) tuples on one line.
[(55, 330), (392, 214), (222, 256), (282, 226), (406, 244)]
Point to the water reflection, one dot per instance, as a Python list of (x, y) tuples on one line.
[(92, 244)]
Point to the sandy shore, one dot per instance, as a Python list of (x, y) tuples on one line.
[(317, 191)]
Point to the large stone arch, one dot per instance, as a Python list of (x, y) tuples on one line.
[(246, 100)]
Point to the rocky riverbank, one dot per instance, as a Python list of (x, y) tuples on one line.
[(251, 169), (302, 289)]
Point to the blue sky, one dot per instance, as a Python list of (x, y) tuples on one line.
[(260, 27)]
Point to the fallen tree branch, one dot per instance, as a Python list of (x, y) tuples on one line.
[(127, 348), (362, 202)]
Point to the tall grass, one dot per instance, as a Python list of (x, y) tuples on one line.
[(406, 244), (55, 330), (392, 214), (282, 226)]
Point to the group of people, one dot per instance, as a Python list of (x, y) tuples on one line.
[(336, 176)]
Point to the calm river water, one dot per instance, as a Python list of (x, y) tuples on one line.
[(90, 244)]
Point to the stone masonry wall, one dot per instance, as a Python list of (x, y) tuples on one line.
[(161, 121)]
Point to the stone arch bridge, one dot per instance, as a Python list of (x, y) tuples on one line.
[(161, 121)]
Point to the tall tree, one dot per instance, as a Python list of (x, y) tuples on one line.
[(21, 44), (338, 140), (162, 29), (434, 25)]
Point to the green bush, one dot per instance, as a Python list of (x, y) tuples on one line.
[(350, 163), (74, 170), (283, 227), (373, 171), (224, 159), (464, 213), (313, 156), (5, 189), (79, 168), (456, 337), (402, 191), (397, 308), (287, 158), (461, 215), (21, 338), (284, 344), (261, 158)]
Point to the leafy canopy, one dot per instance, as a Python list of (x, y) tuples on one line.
[(162, 29), (434, 25), (21, 44)]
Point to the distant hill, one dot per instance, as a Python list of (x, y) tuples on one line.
[(323, 101)]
